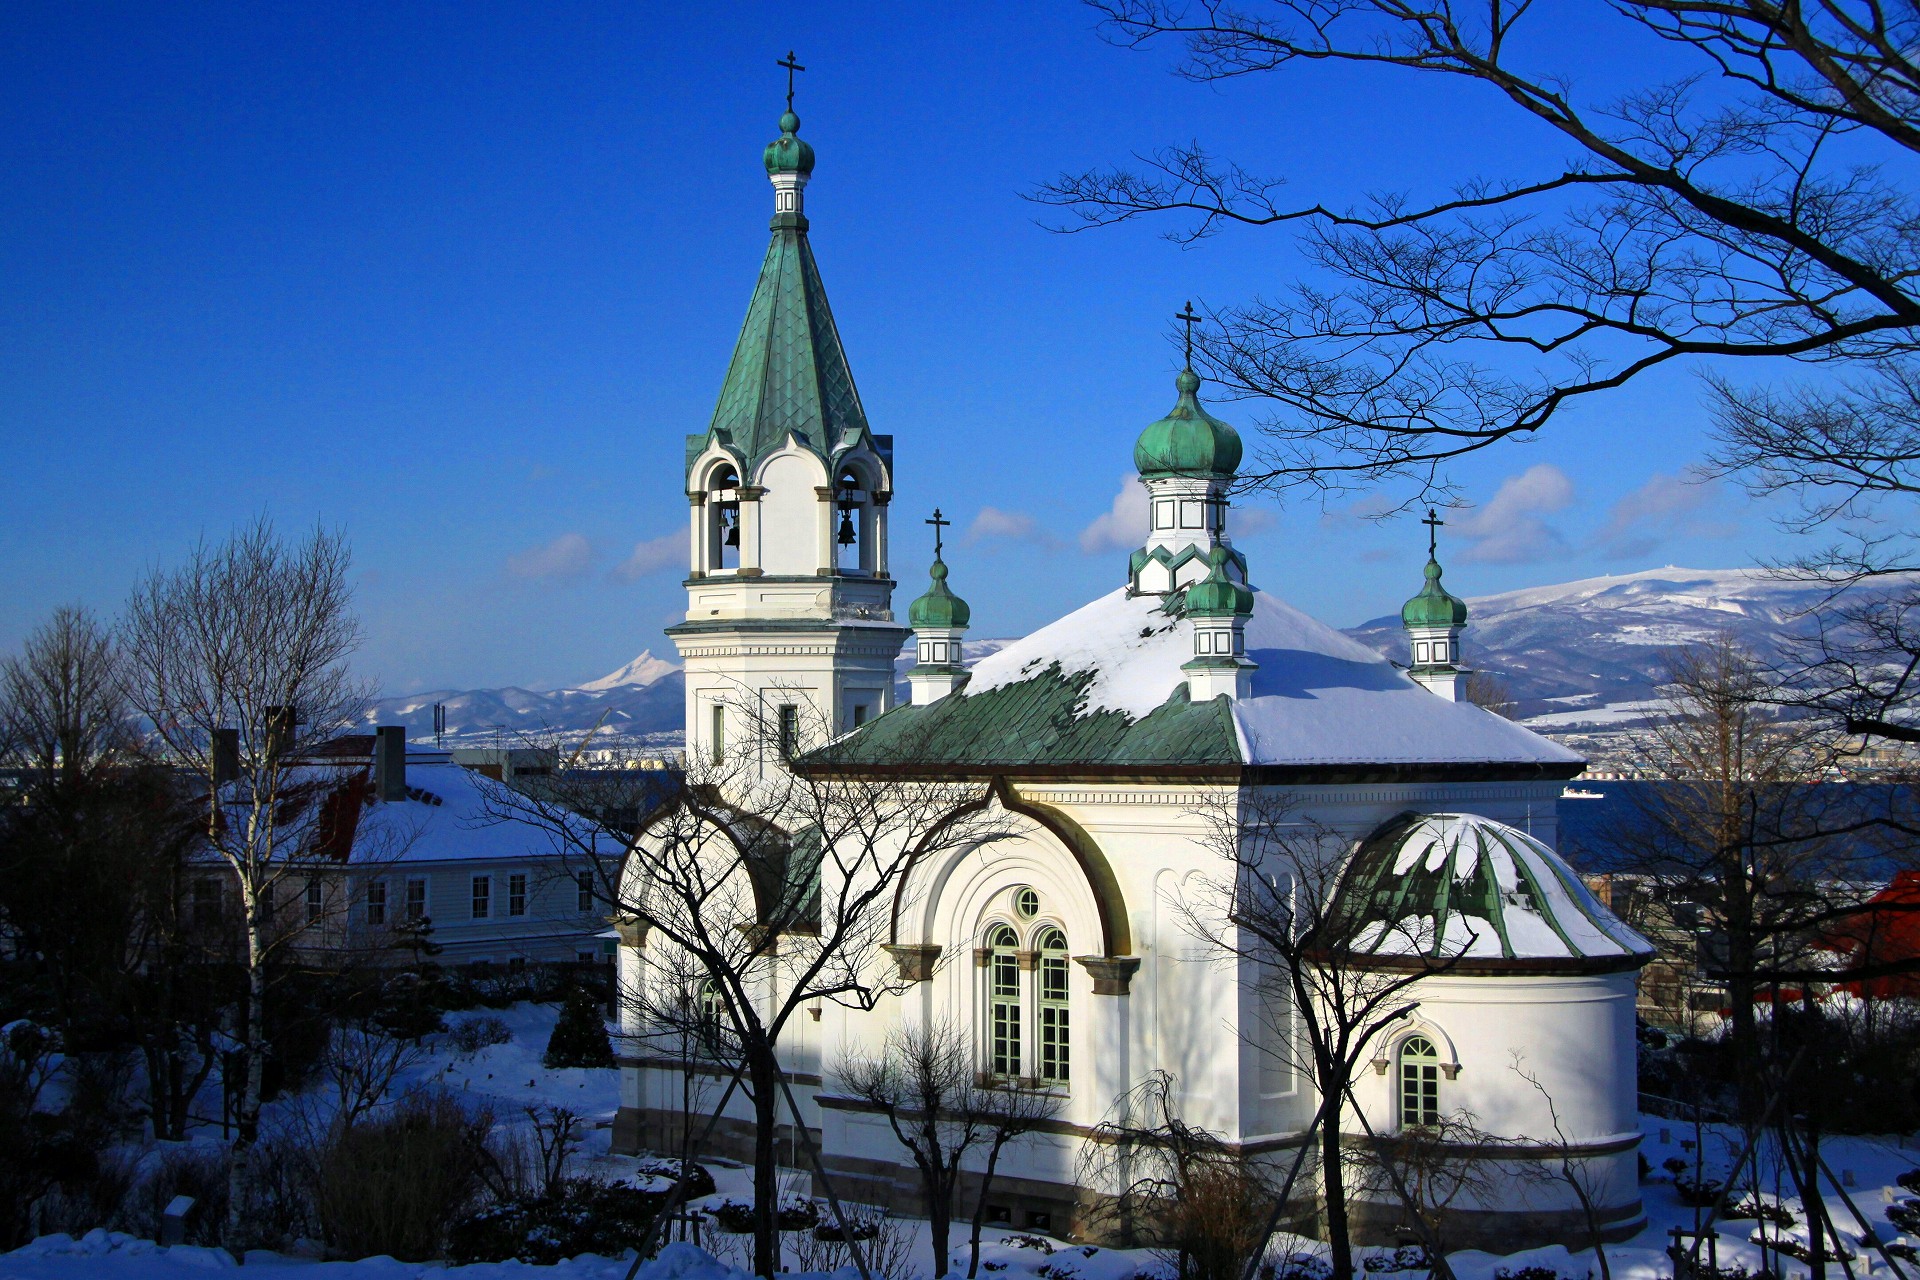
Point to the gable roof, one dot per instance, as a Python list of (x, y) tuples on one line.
[(1102, 690)]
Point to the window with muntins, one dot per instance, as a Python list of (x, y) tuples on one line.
[(1419, 1082), (719, 743), (517, 894), (1003, 1002), (416, 898), (482, 897), (376, 902), (1054, 1021), (316, 901), (789, 730), (583, 889)]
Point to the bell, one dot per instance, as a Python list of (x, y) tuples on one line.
[(845, 537), (731, 519)]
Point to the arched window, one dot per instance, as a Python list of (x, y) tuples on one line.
[(1054, 1019), (1003, 1002), (723, 518), (712, 1026), (850, 535), (1419, 1082)]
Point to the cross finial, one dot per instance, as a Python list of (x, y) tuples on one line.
[(939, 523), (1433, 523), (791, 67), (1189, 319)]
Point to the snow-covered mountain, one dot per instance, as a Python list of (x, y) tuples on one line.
[(1576, 656), (643, 699), (1590, 653)]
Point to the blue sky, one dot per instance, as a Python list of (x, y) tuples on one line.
[(459, 278)]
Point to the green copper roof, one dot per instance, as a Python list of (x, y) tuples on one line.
[(1447, 885), (1041, 721), (1215, 596), (1433, 607), (939, 607), (788, 153), (789, 372), (1189, 441)]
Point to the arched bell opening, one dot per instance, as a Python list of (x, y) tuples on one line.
[(853, 523), (723, 518)]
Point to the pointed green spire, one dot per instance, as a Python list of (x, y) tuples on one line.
[(789, 372)]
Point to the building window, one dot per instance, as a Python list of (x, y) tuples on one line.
[(206, 903), (376, 902), (1003, 1002), (859, 714), (316, 901), (789, 730), (417, 898), (482, 897), (719, 742), (711, 1028), (517, 894), (1026, 903), (1054, 1022), (583, 887), (1419, 1082)]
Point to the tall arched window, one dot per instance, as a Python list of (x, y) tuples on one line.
[(1419, 1082), (712, 1025), (723, 518), (850, 531), (1054, 1020), (1003, 1002)]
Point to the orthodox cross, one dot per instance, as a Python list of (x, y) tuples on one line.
[(1189, 319), (1433, 523), (939, 523), (791, 67)]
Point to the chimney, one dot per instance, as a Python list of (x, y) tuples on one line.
[(390, 762), (282, 723), (226, 756)]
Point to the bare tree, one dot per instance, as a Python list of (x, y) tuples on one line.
[(926, 1081), (62, 709), (1429, 1168), (1331, 960), (1484, 689), (763, 884), (1574, 1172), (237, 660)]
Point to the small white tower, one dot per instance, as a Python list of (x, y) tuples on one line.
[(1434, 621), (939, 618), (1217, 613)]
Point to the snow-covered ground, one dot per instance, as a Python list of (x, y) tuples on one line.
[(510, 1078)]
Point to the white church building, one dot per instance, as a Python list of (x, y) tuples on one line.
[(1104, 736)]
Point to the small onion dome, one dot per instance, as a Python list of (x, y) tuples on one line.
[(1189, 441), (939, 607), (1433, 607), (1457, 886), (787, 153), (1214, 596)]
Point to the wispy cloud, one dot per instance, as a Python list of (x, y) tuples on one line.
[(651, 557), (1510, 529), (1124, 525), (1654, 513), (1247, 521), (567, 556), (992, 522)]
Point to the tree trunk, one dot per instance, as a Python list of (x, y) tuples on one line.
[(940, 1219), (980, 1205), (764, 1075), (1333, 1184), (246, 1117)]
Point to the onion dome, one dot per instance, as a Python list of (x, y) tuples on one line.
[(787, 153), (939, 607), (1433, 607), (1215, 596), (1189, 441), (1458, 886)]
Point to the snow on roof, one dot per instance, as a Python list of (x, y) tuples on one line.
[(1318, 696)]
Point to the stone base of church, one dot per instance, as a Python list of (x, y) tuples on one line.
[(1497, 1231), (1027, 1204), (642, 1129)]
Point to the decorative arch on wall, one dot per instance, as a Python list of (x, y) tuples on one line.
[(1388, 1052)]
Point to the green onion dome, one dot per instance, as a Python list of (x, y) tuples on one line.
[(1189, 441), (787, 153), (1433, 607), (939, 607), (1214, 596)]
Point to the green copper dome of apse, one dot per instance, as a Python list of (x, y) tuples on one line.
[(1189, 441), (1433, 607), (788, 153), (939, 607), (1214, 596)]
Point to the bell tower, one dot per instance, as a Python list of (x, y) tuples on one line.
[(789, 622)]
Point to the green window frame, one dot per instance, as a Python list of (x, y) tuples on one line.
[(1054, 1008), (1419, 1083), (1003, 1002)]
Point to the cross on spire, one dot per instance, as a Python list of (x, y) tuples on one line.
[(1433, 523), (1189, 319), (939, 523), (791, 67)]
